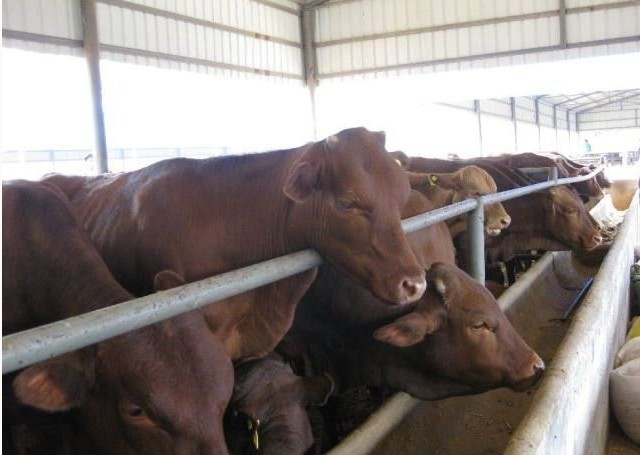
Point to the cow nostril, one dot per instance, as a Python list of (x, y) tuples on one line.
[(413, 288), (538, 367), (505, 221), (597, 238)]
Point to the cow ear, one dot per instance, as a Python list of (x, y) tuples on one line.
[(442, 280), (167, 279), (318, 389), (54, 386), (302, 181), (408, 330), (458, 179)]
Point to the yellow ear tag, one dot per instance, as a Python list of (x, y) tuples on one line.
[(255, 437), (433, 179), (398, 162)]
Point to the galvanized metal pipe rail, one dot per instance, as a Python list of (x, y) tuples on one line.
[(25, 348)]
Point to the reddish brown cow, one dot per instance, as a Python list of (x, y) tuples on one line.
[(589, 188), (133, 394), (267, 411), (456, 331), (551, 220), (341, 196)]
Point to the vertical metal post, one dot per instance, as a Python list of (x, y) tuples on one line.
[(537, 106), (92, 54), (475, 227), (555, 123), (512, 101), (553, 174), (476, 108), (562, 8), (309, 60), (569, 129)]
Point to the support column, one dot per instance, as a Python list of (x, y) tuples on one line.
[(92, 54), (555, 124), (562, 17), (569, 131), (310, 61), (514, 119), (537, 106), (476, 108), (475, 227)]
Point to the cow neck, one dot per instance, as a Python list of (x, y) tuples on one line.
[(84, 284), (527, 231), (260, 218), (440, 197)]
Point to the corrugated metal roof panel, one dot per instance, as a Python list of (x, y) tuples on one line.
[(603, 24), (244, 14), (60, 18), (440, 45), (131, 33)]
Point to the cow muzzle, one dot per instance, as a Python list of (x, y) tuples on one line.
[(592, 242), (411, 288), (532, 372)]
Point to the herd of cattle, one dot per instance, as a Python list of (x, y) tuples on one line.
[(387, 310)]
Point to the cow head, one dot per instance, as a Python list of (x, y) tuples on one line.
[(270, 401), (161, 389), (459, 332), (347, 194), (569, 221), (467, 182)]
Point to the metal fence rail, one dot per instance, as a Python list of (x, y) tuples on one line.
[(25, 348)]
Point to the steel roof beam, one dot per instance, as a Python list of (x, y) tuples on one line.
[(635, 94)]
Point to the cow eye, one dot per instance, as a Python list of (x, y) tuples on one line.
[(478, 326), (135, 412), (349, 206), (345, 205)]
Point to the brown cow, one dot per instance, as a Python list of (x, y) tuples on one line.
[(589, 188), (133, 394), (448, 188), (197, 218), (267, 410), (552, 220), (457, 330)]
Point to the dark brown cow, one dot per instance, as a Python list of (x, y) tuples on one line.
[(197, 218), (267, 410), (589, 188), (161, 389), (551, 220), (454, 340)]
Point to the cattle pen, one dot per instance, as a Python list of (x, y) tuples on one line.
[(544, 428)]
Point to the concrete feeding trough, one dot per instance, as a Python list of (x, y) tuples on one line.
[(568, 411)]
